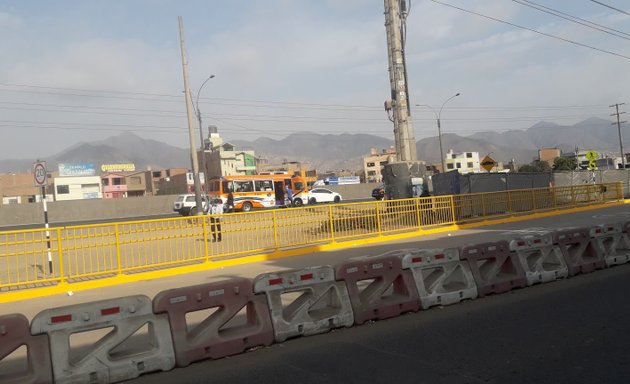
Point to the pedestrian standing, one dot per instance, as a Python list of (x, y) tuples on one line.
[(215, 219), (289, 195), (229, 204)]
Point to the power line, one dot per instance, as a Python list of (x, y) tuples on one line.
[(533, 30), (611, 7), (574, 19)]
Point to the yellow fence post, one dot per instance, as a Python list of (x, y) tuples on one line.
[(453, 209), (118, 260), (332, 226), (483, 205), (275, 229), (509, 198), (533, 200), (60, 252), (572, 196), (204, 228), (418, 212), (378, 218), (553, 196)]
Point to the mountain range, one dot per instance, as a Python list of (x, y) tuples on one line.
[(344, 151)]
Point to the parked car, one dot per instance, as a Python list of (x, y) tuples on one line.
[(379, 192), (323, 195), (186, 205)]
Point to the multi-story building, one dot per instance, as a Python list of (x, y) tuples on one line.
[(548, 155), (222, 158), (123, 184), (464, 162), (373, 163)]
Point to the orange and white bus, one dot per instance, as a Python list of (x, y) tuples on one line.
[(258, 191)]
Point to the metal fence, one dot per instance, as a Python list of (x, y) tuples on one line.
[(40, 257)]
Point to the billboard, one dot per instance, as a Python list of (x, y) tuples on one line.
[(76, 169), (125, 167)]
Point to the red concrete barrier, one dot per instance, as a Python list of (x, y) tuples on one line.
[(541, 259), (494, 267), (379, 288), (15, 333), (219, 334), (613, 242), (580, 253)]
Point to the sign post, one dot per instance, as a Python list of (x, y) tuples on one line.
[(41, 177)]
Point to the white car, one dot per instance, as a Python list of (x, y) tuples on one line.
[(187, 204), (323, 195)]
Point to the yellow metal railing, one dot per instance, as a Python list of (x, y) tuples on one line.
[(82, 252)]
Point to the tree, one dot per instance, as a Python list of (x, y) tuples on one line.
[(564, 163), (536, 166)]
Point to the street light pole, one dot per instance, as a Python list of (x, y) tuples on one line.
[(202, 146), (439, 125)]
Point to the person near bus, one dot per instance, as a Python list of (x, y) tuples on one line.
[(229, 204), (289, 195), (279, 195), (216, 209)]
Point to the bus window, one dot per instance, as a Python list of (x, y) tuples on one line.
[(298, 186), (243, 186), (263, 186), (225, 186)]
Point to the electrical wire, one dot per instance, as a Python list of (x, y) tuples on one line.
[(611, 7), (532, 30), (574, 19)]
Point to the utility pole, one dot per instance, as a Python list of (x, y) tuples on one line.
[(617, 113), (189, 112), (395, 19), (202, 145)]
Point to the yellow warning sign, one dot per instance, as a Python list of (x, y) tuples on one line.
[(488, 163)]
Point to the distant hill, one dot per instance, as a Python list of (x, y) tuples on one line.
[(123, 148), (345, 151)]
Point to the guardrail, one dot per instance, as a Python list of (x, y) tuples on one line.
[(39, 257)]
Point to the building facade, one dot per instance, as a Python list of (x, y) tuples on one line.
[(548, 155), (373, 163), (463, 162), (222, 159), (77, 188)]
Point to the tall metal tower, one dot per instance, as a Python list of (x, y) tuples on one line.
[(395, 16)]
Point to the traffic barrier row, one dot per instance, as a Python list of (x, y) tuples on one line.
[(133, 335)]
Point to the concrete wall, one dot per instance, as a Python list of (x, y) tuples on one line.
[(83, 210), (103, 209)]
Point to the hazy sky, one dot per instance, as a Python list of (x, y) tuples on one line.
[(75, 71)]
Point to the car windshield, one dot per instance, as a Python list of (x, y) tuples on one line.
[(180, 198)]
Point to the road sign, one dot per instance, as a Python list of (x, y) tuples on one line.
[(40, 173), (591, 155), (488, 163)]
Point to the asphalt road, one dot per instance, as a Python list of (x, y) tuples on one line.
[(570, 331)]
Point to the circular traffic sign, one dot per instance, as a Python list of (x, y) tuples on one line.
[(39, 171)]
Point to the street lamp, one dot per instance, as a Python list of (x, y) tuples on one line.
[(437, 117), (203, 147)]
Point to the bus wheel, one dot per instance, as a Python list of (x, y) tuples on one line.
[(247, 206), (297, 202)]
